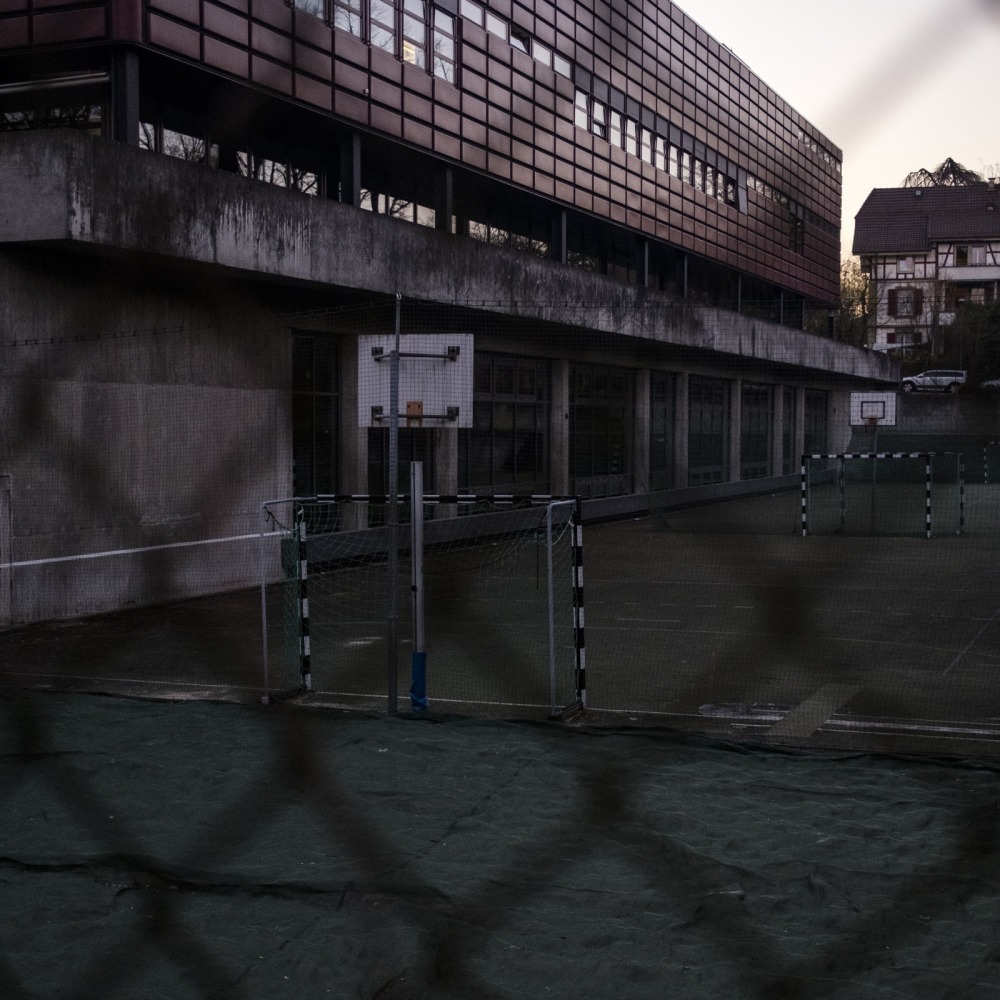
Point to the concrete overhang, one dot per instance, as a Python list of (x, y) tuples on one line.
[(71, 190)]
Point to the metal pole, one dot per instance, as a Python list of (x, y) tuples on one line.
[(266, 697), (418, 661), (392, 653), (552, 613)]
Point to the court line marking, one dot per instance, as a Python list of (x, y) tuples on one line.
[(990, 621)]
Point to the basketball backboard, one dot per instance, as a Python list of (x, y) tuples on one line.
[(869, 407), (435, 379)]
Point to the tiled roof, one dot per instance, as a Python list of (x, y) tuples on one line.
[(897, 220)]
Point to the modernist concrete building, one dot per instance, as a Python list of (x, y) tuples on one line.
[(206, 202), (927, 250)]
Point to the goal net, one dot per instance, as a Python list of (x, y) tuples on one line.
[(502, 607), (882, 493)]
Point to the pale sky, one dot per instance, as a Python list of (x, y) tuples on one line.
[(896, 84)]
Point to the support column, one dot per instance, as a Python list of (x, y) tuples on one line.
[(350, 170), (682, 429), (778, 431), (353, 441), (799, 443), (642, 264), (444, 207), (445, 460), (559, 483), (735, 429), (125, 97), (557, 246), (640, 433)]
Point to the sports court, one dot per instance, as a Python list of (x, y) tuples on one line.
[(783, 785)]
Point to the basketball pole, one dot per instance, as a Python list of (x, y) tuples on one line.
[(392, 661), (873, 424), (418, 658)]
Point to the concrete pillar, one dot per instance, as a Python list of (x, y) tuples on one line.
[(735, 429), (642, 264), (125, 97), (557, 246), (778, 429), (640, 433), (559, 429), (445, 461), (353, 439), (444, 207), (800, 422), (682, 428), (6, 551), (350, 170)]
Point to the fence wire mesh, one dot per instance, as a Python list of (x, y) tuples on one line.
[(784, 783)]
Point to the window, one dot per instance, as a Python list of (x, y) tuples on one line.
[(562, 65), (496, 26), (598, 122), (582, 116), (414, 33), (970, 256), (444, 45), (542, 53), (383, 25), (520, 40), (315, 7), (905, 302), (474, 12), (904, 265), (646, 145), (615, 128), (347, 16), (631, 137)]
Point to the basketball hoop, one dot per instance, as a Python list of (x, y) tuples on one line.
[(872, 423)]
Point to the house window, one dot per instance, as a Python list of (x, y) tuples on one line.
[(905, 302), (970, 256), (904, 265), (582, 115)]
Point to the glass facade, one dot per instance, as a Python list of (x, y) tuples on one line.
[(507, 448), (600, 420), (708, 431)]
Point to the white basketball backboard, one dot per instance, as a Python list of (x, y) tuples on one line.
[(873, 406), (435, 379)]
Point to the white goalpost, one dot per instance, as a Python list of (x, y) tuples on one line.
[(495, 620)]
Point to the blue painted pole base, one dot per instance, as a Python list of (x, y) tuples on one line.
[(418, 684)]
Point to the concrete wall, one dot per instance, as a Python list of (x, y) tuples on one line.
[(67, 187), (138, 411)]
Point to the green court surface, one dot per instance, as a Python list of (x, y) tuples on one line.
[(721, 619)]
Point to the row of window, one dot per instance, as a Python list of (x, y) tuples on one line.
[(426, 34), (907, 302), (796, 210), (815, 146), (637, 140)]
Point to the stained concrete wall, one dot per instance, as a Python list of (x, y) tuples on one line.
[(68, 187), (145, 362), (142, 414)]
